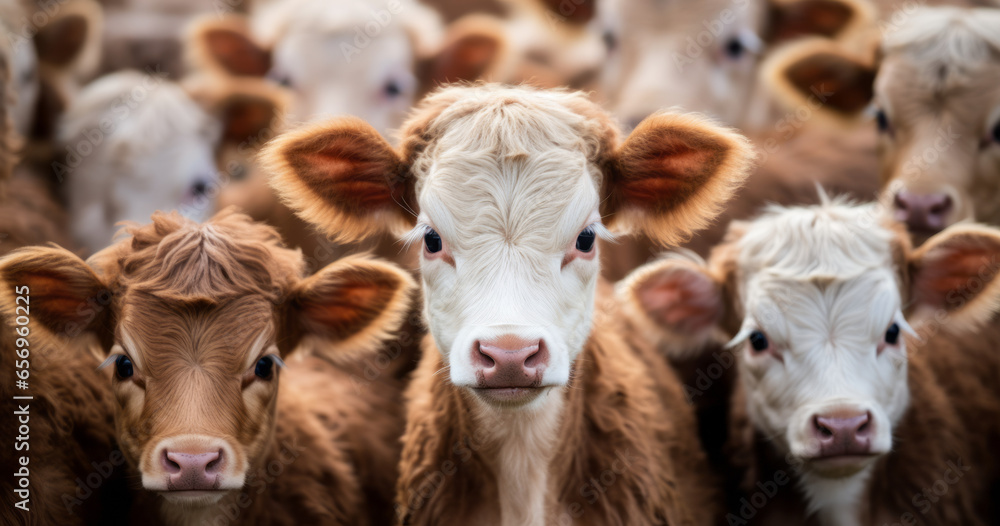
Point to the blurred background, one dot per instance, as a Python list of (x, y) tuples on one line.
[(117, 108)]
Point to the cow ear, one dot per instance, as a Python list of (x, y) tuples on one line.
[(472, 48), (354, 303), (791, 19), (343, 177), (677, 301), (251, 114), (955, 273), (820, 75), (577, 12), (66, 296), (672, 176), (70, 40), (226, 45)]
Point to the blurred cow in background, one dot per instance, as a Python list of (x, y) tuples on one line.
[(135, 143), (936, 89)]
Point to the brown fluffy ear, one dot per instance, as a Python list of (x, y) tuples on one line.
[(226, 45), (818, 74), (66, 296), (473, 46), (354, 303), (69, 42), (576, 12), (343, 177), (677, 301), (248, 108), (672, 175), (791, 19), (955, 273)]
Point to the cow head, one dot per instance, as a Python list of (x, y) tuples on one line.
[(937, 107), (507, 189), (824, 305), (194, 322), (705, 56), (358, 59)]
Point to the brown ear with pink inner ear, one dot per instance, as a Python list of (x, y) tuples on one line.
[(672, 176), (788, 20), (956, 272), (226, 45), (472, 49)]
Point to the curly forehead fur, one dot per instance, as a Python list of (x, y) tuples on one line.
[(836, 240), (222, 259)]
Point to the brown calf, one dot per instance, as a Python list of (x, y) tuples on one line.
[(198, 321)]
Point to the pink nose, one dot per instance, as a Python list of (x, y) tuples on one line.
[(844, 434), (925, 212), (193, 471), (509, 362)]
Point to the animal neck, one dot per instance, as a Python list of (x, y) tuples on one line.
[(519, 446), (837, 501)]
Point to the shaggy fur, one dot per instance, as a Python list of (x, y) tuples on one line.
[(622, 403), (949, 368), (223, 296), (509, 178)]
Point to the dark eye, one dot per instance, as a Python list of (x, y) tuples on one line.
[(734, 48), (432, 241), (758, 341), (585, 241), (123, 367), (892, 334), (265, 366), (610, 40), (996, 132), (392, 89), (882, 120), (280, 78)]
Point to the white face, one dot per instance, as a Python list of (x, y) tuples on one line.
[(824, 361), (704, 59), (123, 181), (331, 75), (509, 287)]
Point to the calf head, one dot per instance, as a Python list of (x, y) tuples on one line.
[(508, 188), (133, 144), (937, 105), (820, 302), (194, 321), (705, 56), (358, 59)]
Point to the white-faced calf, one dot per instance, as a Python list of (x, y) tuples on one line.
[(867, 370), (195, 322), (521, 395)]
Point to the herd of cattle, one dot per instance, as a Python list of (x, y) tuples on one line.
[(442, 227)]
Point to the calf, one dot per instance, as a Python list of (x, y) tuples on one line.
[(195, 322), (706, 55), (367, 68), (522, 400), (134, 143), (868, 387), (937, 100)]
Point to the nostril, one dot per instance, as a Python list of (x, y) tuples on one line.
[(865, 427), (899, 201), (215, 465), (168, 464), (482, 359), (538, 358), (824, 432), (942, 206)]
